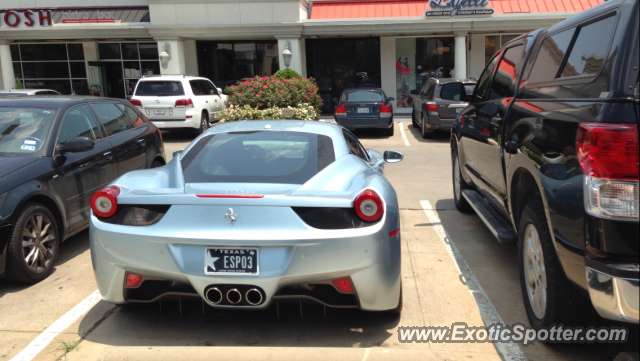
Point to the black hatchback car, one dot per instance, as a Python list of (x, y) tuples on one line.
[(55, 152), (547, 154)]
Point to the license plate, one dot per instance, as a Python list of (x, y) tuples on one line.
[(363, 110), (158, 112), (231, 261), (458, 110)]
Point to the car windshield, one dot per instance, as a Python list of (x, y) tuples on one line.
[(24, 130), (258, 157), (362, 96), (159, 88)]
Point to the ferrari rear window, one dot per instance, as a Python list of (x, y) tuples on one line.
[(258, 157)]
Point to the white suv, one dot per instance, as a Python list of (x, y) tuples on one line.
[(179, 101)]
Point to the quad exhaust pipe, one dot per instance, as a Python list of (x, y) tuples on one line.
[(234, 296), (213, 295)]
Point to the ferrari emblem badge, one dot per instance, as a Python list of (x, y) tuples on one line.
[(231, 216)]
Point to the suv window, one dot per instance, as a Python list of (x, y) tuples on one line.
[(133, 116), (430, 91), (196, 87), (483, 82), (159, 88), (354, 145), (453, 91), (505, 81), (78, 122), (112, 117), (589, 49), (209, 88), (550, 56)]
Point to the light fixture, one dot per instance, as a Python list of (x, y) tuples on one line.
[(286, 54), (165, 55)]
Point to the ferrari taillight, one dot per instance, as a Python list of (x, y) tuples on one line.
[(385, 110), (104, 202), (343, 285), (133, 280), (368, 206), (341, 110)]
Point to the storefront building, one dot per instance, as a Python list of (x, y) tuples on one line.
[(104, 47)]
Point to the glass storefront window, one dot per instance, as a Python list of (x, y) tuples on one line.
[(59, 67), (149, 51), (226, 63), (419, 59), (130, 51), (494, 42), (108, 51)]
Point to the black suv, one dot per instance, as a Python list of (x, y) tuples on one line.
[(55, 152), (547, 155)]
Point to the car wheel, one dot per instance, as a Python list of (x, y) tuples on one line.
[(156, 163), (459, 184), (391, 130), (413, 119), (548, 297), (425, 133), (204, 123), (33, 245)]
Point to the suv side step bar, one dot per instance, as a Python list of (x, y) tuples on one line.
[(500, 228)]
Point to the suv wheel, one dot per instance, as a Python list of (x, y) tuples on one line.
[(425, 133), (413, 119), (33, 244), (204, 123), (459, 184), (548, 297)]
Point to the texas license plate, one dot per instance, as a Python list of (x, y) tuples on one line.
[(158, 112), (363, 110), (231, 261)]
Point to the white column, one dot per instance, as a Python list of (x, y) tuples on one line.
[(8, 78), (460, 61), (388, 66), (476, 55), (176, 64), (296, 51), (191, 57)]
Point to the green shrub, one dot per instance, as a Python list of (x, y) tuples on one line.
[(287, 74), (274, 92), (301, 112), (18, 84)]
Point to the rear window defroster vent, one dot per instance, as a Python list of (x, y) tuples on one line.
[(137, 215), (331, 218)]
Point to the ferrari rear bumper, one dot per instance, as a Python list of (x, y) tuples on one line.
[(367, 256)]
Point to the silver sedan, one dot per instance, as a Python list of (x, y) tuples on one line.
[(250, 213)]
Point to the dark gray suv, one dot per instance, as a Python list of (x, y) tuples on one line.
[(437, 103)]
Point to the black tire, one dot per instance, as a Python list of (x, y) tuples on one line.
[(17, 269), (398, 309), (461, 202), (391, 130), (425, 133), (156, 163), (562, 303), (204, 123), (413, 119)]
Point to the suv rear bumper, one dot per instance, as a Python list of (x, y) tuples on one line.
[(193, 122), (615, 298)]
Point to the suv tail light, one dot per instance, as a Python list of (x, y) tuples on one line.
[(136, 102), (432, 107), (368, 206), (385, 110), (341, 110), (104, 202), (182, 103), (608, 154)]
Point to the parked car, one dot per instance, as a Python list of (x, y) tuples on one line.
[(179, 101), (55, 152), (251, 213), (364, 108), (547, 156), (19, 92), (438, 102)]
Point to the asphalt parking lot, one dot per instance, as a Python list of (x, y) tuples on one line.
[(453, 270)]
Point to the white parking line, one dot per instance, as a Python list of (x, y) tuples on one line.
[(58, 327), (404, 136), (508, 351)]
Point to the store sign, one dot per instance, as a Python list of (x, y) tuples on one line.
[(458, 7), (30, 18)]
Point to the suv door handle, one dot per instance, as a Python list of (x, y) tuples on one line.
[(108, 155), (141, 141)]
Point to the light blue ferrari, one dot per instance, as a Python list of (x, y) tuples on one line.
[(251, 213)]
